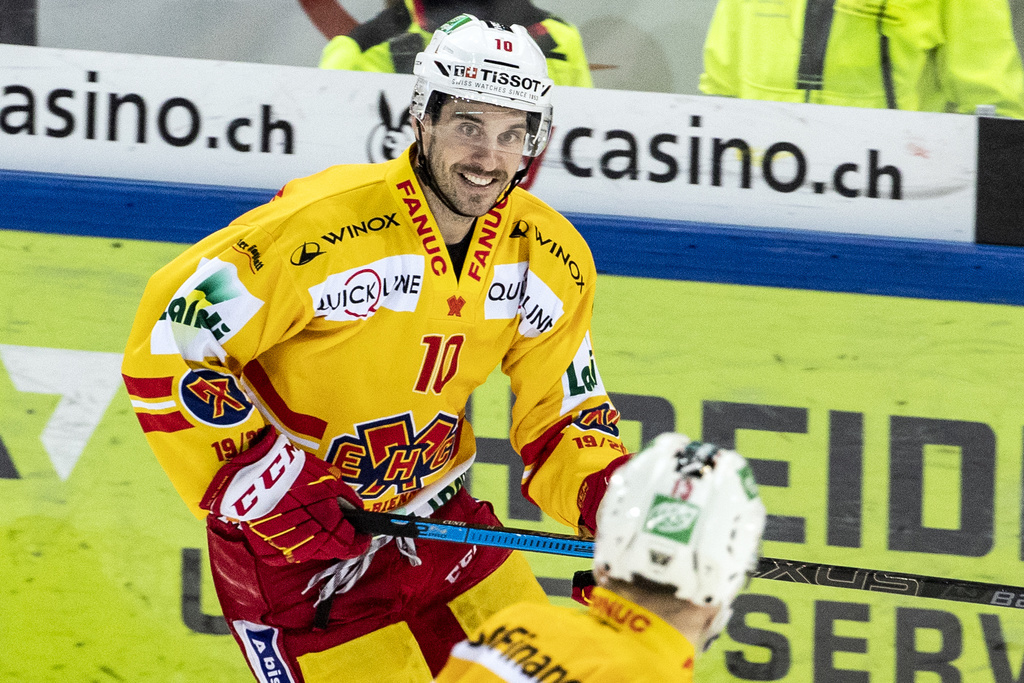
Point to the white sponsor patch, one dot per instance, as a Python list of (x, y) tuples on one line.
[(263, 651), (394, 283), (581, 379), (506, 291), (539, 309), (161, 339), (206, 311)]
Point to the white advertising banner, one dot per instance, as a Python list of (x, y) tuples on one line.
[(653, 155)]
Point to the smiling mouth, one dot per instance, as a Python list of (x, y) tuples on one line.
[(477, 180)]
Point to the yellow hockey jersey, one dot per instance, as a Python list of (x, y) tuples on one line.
[(616, 641), (333, 313)]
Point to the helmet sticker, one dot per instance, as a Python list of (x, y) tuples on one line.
[(671, 518), (456, 22), (747, 480)]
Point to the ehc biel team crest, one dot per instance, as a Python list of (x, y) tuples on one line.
[(214, 399), (389, 456)]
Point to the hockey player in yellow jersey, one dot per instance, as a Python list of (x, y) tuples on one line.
[(324, 346), (677, 534)]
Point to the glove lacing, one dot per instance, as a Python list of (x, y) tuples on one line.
[(343, 575)]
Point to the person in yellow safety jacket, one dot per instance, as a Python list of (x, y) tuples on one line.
[(390, 41), (919, 55), (679, 530)]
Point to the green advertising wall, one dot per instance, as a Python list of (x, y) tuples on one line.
[(886, 433)]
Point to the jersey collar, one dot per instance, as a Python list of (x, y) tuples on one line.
[(632, 620)]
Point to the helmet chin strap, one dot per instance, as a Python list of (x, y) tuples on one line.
[(427, 176)]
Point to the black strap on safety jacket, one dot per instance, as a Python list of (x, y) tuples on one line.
[(810, 74), (885, 58)]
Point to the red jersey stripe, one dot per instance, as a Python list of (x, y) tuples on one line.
[(309, 425), (149, 387), (166, 422)]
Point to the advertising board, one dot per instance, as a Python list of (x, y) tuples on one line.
[(681, 157)]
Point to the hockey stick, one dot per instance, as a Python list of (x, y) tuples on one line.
[(811, 573)]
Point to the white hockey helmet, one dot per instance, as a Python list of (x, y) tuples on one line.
[(484, 61), (685, 514)]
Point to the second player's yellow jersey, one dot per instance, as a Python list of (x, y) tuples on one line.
[(333, 314), (617, 641)]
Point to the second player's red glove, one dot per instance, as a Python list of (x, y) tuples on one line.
[(287, 503), (591, 492)]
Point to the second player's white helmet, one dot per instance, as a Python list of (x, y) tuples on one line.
[(484, 61), (684, 514)]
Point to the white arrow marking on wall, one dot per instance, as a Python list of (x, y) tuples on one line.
[(86, 382)]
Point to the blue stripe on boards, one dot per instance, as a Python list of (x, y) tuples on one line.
[(114, 207), (798, 259), (622, 245)]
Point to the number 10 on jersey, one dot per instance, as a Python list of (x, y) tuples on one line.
[(440, 362)]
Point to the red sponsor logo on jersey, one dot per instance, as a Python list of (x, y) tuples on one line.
[(488, 232), (413, 207), (620, 613), (389, 456)]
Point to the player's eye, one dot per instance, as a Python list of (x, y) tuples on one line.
[(511, 138), (468, 130)]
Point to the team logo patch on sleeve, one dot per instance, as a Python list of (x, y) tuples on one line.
[(263, 652), (604, 418), (581, 379), (214, 399)]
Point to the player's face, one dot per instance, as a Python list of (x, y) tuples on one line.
[(474, 149)]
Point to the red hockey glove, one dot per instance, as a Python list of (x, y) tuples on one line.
[(590, 495), (287, 502), (583, 585)]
